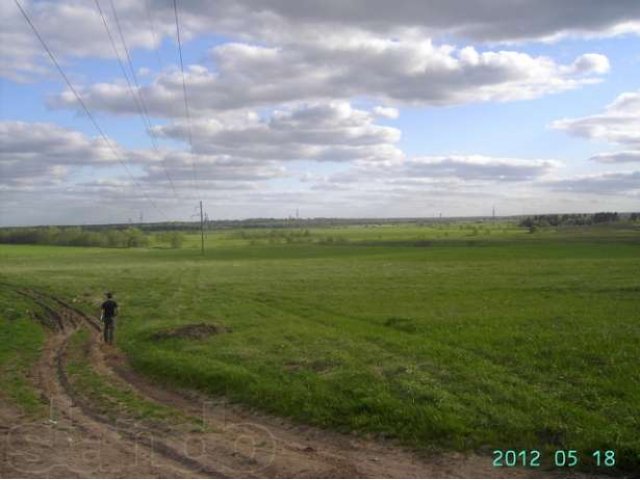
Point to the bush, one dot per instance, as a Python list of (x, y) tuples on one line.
[(135, 238), (569, 219), (173, 239)]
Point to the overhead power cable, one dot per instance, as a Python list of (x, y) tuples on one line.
[(137, 98), (85, 108), (184, 91)]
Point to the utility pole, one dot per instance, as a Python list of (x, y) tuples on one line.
[(201, 229)]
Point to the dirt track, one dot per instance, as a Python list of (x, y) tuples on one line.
[(79, 440)]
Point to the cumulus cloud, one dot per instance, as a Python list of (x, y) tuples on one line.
[(203, 171), (45, 154), (608, 183), (591, 63), (386, 112), (414, 72), (36, 151), (619, 123), (493, 20), (73, 27), (31, 140), (448, 172), (617, 157), (478, 167), (323, 131)]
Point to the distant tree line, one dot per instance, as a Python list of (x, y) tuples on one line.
[(267, 223), (556, 220), (75, 236)]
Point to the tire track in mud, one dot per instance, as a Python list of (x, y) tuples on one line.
[(234, 442), (135, 436)]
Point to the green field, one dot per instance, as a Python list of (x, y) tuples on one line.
[(20, 340), (453, 336)]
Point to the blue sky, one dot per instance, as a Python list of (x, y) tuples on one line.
[(340, 113)]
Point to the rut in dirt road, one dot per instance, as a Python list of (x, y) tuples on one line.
[(81, 441)]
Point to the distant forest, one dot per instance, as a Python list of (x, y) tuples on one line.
[(87, 237), (556, 220), (171, 234)]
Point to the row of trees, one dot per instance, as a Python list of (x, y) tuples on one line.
[(83, 237), (574, 219), (75, 236)]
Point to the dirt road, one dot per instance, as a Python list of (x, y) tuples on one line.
[(81, 440)]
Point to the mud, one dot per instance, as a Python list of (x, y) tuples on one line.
[(197, 331)]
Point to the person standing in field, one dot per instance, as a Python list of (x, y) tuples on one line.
[(109, 312)]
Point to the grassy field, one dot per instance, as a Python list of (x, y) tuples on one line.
[(21, 339), (453, 336)]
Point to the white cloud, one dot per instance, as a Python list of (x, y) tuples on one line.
[(43, 154), (608, 183), (33, 152), (209, 169), (617, 157), (386, 112), (450, 170), (415, 72), (73, 28), (493, 20), (478, 167), (591, 63), (619, 123), (321, 131)]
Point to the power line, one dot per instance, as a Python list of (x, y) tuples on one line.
[(201, 230), (133, 72), (184, 91), (145, 113), (137, 99), (84, 106), (122, 67), (188, 115)]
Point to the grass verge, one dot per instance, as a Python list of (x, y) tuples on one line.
[(21, 340)]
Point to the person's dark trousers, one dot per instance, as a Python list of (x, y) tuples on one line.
[(108, 330)]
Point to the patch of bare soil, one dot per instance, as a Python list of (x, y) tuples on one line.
[(196, 331), (79, 441)]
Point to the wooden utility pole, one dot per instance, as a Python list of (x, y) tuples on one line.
[(201, 229)]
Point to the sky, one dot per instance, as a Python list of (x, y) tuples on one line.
[(339, 108)]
